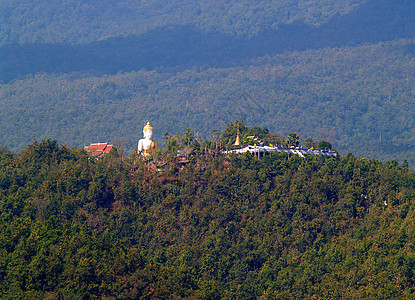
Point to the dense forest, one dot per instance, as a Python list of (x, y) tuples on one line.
[(84, 21), (96, 72), (179, 46), (322, 72), (220, 227), (360, 98)]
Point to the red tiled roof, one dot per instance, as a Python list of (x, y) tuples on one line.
[(98, 149), (98, 146)]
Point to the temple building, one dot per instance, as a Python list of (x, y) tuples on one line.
[(98, 150), (266, 150)]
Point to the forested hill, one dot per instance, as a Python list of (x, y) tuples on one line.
[(96, 71), (181, 47), (85, 21), (219, 228)]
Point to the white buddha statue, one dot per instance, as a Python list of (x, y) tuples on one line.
[(146, 145)]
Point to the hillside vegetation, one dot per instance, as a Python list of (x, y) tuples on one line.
[(183, 46), (360, 98), (95, 72), (77, 21), (232, 227)]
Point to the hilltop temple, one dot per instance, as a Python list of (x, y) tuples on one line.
[(266, 150)]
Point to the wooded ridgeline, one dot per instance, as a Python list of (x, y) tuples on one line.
[(224, 227)]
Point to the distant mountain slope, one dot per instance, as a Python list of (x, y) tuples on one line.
[(75, 21), (360, 98), (184, 46), (349, 78)]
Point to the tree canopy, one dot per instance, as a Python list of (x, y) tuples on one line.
[(231, 227), (87, 21)]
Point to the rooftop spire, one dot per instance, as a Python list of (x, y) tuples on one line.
[(237, 142)]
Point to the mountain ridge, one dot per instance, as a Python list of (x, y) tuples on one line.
[(79, 22), (183, 46)]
